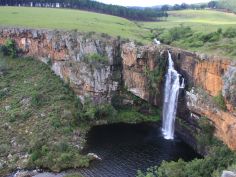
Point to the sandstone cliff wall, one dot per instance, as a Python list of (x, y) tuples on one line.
[(66, 53)]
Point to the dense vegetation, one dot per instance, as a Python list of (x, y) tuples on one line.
[(147, 14), (218, 158), (221, 42)]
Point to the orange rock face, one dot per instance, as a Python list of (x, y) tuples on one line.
[(224, 121), (209, 75)]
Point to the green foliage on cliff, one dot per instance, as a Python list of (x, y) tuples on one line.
[(9, 48), (135, 111), (205, 137), (220, 101), (95, 58), (155, 77), (38, 115)]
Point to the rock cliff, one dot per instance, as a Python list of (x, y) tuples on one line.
[(96, 67), (75, 57)]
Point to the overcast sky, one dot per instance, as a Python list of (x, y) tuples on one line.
[(146, 3)]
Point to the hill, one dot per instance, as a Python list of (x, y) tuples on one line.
[(199, 20), (38, 115), (148, 14), (67, 19)]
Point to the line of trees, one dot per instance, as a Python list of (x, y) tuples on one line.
[(146, 14), (183, 6)]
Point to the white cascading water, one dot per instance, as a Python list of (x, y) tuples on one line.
[(172, 86)]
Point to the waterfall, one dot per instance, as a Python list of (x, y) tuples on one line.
[(172, 86)]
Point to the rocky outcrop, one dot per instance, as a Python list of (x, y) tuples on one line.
[(143, 71), (228, 174), (66, 53)]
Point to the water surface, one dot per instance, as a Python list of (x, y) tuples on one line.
[(126, 148)]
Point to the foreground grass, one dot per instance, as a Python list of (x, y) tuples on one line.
[(71, 19), (38, 116)]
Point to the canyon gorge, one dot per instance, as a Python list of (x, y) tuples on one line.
[(140, 70)]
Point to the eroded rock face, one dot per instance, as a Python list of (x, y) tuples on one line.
[(66, 52), (201, 103), (141, 68)]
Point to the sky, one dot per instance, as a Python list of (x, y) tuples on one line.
[(148, 3)]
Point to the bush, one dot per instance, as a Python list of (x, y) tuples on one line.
[(210, 37), (9, 49), (91, 111), (36, 99), (219, 158), (230, 33), (3, 67), (175, 34), (205, 136), (220, 101)]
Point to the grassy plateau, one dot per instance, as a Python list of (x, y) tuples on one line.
[(200, 21), (70, 19)]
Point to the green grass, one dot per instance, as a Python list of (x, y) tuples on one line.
[(71, 19), (38, 115), (199, 20)]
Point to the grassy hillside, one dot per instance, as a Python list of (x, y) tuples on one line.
[(202, 22), (210, 32), (199, 20), (228, 4), (38, 115), (69, 20)]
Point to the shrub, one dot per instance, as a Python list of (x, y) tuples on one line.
[(219, 158), (205, 136), (230, 33), (37, 99), (175, 34), (220, 101), (91, 111), (9, 49), (3, 67)]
